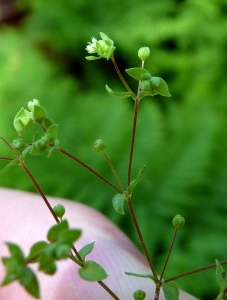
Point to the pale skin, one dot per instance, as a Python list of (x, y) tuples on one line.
[(25, 220)]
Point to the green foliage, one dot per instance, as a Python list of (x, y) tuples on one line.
[(182, 141), (92, 271), (221, 280), (171, 290)]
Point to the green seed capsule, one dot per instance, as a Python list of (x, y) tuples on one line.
[(99, 145), (144, 53), (178, 221), (19, 144), (139, 295)]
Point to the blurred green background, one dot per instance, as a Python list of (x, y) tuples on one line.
[(182, 140)]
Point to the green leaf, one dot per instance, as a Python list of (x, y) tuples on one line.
[(135, 181), (15, 252), (92, 57), (35, 250), (7, 167), (160, 86), (139, 73), (55, 230), (69, 236), (63, 251), (150, 276), (12, 267), (119, 95), (221, 280), (171, 290), (92, 271), (86, 250), (47, 264), (39, 114), (28, 279), (118, 203)]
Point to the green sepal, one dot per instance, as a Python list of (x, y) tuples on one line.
[(86, 250), (39, 114), (13, 162), (142, 94), (48, 122), (92, 271), (160, 86), (25, 152), (55, 230), (52, 132), (119, 95), (51, 150), (29, 281), (139, 73), (149, 276), (18, 125), (35, 251), (135, 181), (171, 290), (221, 277), (37, 149), (92, 57), (118, 202), (104, 36)]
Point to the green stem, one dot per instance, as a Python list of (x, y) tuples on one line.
[(194, 271), (89, 169), (120, 75), (170, 249), (136, 108), (141, 237), (114, 171)]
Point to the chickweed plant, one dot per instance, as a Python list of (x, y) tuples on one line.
[(61, 239)]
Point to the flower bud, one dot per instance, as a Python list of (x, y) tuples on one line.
[(59, 210), (99, 145), (178, 221), (19, 144), (144, 53), (139, 295), (32, 103)]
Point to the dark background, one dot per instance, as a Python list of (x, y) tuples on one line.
[(182, 140)]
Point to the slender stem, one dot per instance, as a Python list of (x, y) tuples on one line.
[(120, 75), (114, 171), (5, 158), (32, 178), (8, 144), (195, 271), (141, 238), (89, 169), (136, 108), (170, 249), (157, 292), (108, 290)]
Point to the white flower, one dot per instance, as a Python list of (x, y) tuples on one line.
[(92, 47)]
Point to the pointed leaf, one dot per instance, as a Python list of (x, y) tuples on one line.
[(92, 57), (119, 95), (139, 73), (39, 113), (86, 250), (221, 280), (171, 290), (15, 252), (55, 230), (135, 181), (36, 249), (150, 276), (92, 271), (48, 122), (118, 203), (7, 167), (160, 86), (29, 281)]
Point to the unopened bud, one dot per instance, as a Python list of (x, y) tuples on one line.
[(99, 145), (144, 53), (178, 221), (139, 295)]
